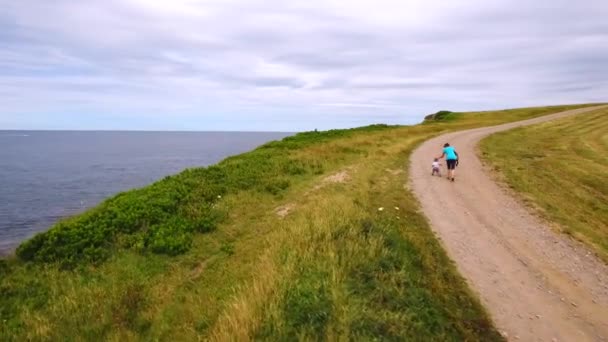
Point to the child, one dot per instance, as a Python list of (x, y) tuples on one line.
[(436, 168)]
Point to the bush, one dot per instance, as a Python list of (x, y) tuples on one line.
[(442, 115), (171, 238)]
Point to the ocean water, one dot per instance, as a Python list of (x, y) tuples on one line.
[(47, 175)]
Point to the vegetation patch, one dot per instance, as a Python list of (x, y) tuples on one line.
[(442, 115), (560, 168), (204, 255)]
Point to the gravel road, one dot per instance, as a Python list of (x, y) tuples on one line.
[(538, 285)]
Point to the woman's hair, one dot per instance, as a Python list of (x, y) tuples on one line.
[(446, 145)]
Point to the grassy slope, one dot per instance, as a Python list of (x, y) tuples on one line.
[(561, 169), (334, 267)]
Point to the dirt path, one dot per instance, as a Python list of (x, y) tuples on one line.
[(536, 284)]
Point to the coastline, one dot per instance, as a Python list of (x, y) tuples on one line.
[(50, 176)]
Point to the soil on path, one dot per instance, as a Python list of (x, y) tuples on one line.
[(538, 285)]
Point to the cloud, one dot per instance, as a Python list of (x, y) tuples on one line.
[(295, 65)]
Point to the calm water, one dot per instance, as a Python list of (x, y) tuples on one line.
[(48, 175)]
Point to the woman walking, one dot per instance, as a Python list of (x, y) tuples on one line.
[(451, 159)]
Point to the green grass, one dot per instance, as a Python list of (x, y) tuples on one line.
[(173, 261), (561, 169)]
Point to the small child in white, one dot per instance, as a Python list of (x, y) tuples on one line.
[(436, 169)]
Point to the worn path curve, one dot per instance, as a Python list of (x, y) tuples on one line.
[(536, 284)]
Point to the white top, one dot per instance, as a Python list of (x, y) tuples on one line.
[(435, 164)]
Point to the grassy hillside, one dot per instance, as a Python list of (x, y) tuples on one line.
[(285, 242), (561, 169)]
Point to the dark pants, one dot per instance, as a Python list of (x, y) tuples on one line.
[(451, 164)]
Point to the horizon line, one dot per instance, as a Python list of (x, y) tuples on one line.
[(137, 130)]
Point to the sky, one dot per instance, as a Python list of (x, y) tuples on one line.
[(265, 65)]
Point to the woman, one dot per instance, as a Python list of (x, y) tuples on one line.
[(451, 158)]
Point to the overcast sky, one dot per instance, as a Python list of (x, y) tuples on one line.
[(291, 65)]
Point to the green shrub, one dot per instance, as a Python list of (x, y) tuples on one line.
[(442, 115), (227, 248), (171, 238)]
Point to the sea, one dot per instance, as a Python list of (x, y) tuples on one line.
[(49, 175)]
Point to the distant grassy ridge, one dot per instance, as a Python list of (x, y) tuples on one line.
[(204, 254), (561, 169)]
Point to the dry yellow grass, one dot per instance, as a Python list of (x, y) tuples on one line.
[(561, 169)]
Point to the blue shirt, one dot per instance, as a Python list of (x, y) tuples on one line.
[(450, 153)]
